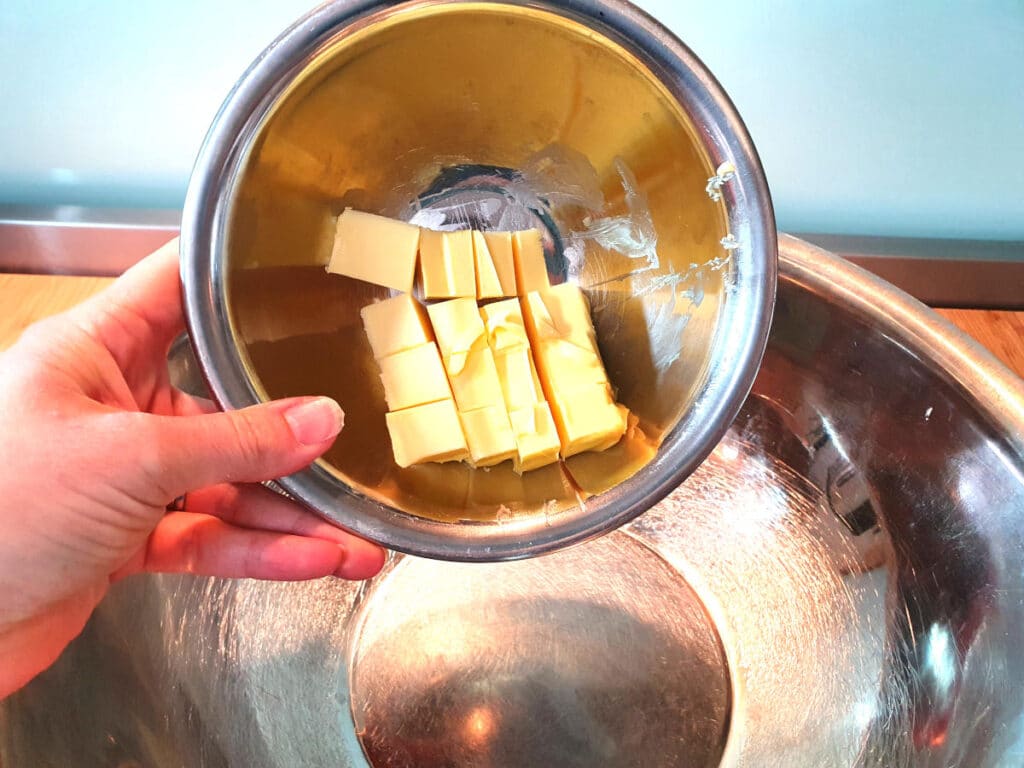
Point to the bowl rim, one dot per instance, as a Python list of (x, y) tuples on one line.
[(747, 314)]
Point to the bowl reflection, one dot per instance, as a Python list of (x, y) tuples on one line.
[(838, 585)]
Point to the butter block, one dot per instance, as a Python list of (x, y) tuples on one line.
[(396, 324), (531, 269), (488, 286), (475, 384), (588, 419), (457, 325), (488, 435), (414, 377), (467, 358), (569, 312), (561, 312), (505, 326), (565, 367), (500, 246), (446, 264), (375, 249), (429, 432), (537, 441), (520, 384)]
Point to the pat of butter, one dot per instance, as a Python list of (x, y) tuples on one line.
[(467, 358), (488, 435), (375, 249), (537, 441), (396, 324), (457, 325), (504, 323), (488, 286), (429, 432), (500, 246), (564, 367), (475, 384), (561, 312), (519, 382), (414, 377), (446, 264), (531, 269), (588, 419)]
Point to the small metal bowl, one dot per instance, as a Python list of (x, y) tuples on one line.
[(585, 119)]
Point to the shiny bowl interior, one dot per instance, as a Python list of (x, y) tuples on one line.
[(586, 120), (839, 585)]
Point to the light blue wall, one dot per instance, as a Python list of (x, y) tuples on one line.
[(871, 117)]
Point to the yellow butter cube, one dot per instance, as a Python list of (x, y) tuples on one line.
[(488, 435), (446, 264), (505, 326), (588, 419), (429, 432), (561, 312), (569, 311), (467, 358), (395, 325), (375, 249), (475, 383), (457, 326), (519, 382), (488, 286), (537, 441), (564, 367), (414, 377), (531, 269), (500, 246)]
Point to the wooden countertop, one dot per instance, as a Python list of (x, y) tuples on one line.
[(27, 298)]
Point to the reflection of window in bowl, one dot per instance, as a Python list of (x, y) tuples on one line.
[(602, 133)]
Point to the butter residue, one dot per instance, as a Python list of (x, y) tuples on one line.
[(725, 173)]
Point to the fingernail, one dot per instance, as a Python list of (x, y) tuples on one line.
[(315, 421)]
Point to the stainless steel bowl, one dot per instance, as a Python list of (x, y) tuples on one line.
[(840, 584), (583, 118)]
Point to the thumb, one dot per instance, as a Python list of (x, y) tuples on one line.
[(253, 444)]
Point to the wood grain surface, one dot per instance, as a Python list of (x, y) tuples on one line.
[(27, 298)]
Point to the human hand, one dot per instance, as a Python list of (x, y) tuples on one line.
[(96, 443)]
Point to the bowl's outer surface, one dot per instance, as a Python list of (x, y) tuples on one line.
[(838, 585), (593, 124)]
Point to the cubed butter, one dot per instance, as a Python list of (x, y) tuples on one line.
[(569, 311), (446, 264), (467, 358), (564, 367), (560, 312), (475, 384), (375, 249), (488, 435), (531, 269), (537, 441), (500, 246), (488, 286), (518, 376), (588, 419), (429, 432), (505, 326), (414, 377), (457, 326), (396, 324)]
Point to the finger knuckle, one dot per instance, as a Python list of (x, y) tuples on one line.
[(253, 440)]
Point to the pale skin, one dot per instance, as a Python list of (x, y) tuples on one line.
[(94, 445)]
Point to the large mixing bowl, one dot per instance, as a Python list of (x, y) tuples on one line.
[(839, 585), (584, 119)]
